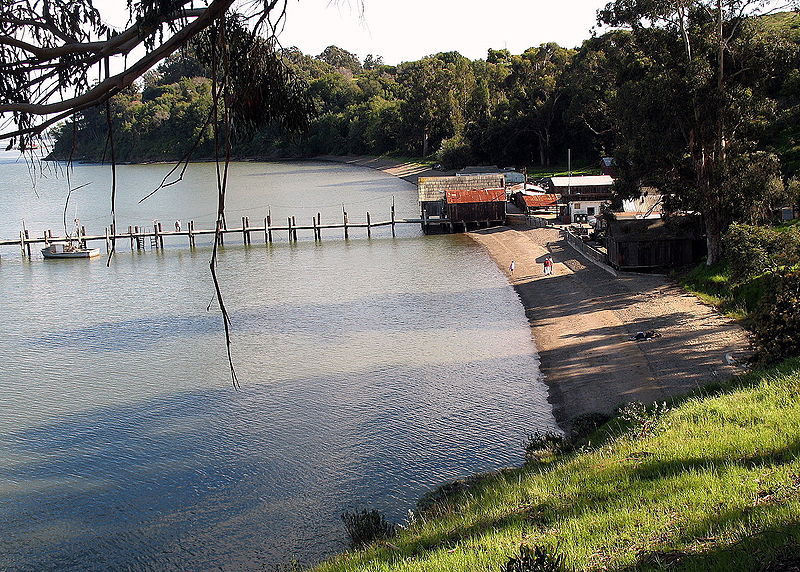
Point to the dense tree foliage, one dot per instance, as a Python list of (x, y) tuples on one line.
[(694, 104), (715, 131)]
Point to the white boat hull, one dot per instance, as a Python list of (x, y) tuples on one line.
[(76, 253)]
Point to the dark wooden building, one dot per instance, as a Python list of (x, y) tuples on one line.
[(475, 207), (655, 243), (437, 213)]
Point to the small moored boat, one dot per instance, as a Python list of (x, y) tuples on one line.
[(66, 250)]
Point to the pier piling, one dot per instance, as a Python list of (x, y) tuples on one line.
[(138, 236)]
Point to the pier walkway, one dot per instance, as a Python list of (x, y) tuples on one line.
[(140, 237)]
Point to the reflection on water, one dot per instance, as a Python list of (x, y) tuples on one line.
[(372, 370)]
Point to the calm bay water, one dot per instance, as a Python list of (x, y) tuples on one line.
[(371, 371)]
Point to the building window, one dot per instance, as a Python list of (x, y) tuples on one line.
[(576, 206), (590, 211)]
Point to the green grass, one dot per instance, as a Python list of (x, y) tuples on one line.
[(714, 286), (789, 224), (712, 484), (560, 170)]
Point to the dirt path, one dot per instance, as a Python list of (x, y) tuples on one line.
[(407, 171), (582, 318)]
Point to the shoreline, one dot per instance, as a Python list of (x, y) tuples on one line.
[(406, 170), (582, 318)]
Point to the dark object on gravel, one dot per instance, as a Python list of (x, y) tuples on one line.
[(648, 335)]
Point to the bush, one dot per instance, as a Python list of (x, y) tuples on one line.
[(776, 323), (536, 559), (752, 250), (366, 526), (586, 424), (643, 421), (455, 153), (543, 447)]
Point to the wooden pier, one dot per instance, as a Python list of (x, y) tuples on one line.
[(140, 237)]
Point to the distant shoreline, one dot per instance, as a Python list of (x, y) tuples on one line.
[(406, 170)]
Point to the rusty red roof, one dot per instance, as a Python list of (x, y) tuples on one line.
[(475, 196), (545, 200)]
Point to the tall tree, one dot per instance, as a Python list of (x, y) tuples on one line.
[(690, 103), (536, 92), (427, 103)]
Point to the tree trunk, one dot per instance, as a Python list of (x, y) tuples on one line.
[(547, 147), (713, 224), (714, 244), (542, 158)]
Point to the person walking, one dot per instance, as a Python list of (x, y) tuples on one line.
[(548, 266), (511, 268)]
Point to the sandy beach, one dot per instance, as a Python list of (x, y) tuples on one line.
[(582, 318)]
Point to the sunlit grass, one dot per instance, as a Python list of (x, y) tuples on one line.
[(712, 484)]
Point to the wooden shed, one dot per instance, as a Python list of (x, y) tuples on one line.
[(659, 243), (437, 213), (476, 207)]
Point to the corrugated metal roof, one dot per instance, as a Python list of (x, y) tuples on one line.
[(645, 203), (582, 181), (462, 196), (524, 188), (433, 188), (547, 200)]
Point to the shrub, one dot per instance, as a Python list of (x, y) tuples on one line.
[(586, 424), (544, 446), (752, 250), (455, 153), (643, 421), (366, 526), (776, 323), (536, 559)]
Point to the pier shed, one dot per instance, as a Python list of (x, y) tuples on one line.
[(476, 207), (433, 198)]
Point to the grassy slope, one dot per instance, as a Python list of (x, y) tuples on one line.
[(716, 486), (714, 286)]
